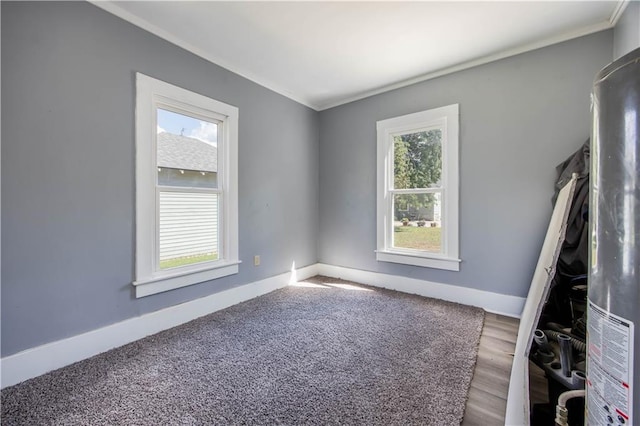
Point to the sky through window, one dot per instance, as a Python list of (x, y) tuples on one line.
[(180, 124)]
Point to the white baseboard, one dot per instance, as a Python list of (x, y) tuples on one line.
[(492, 302), (51, 356)]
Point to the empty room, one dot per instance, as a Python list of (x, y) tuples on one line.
[(355, 213)]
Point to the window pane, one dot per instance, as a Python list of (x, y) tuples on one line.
[(417, 222), (417, 159), (187, 151), (188, 228)]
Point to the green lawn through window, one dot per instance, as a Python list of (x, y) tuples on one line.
[(418, 238), (187, 260)]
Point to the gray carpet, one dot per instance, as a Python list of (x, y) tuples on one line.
[(331, 354)]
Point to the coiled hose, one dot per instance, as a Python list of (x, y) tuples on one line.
[(562, 414), (578, 345)]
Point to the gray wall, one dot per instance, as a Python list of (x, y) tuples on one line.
[(68, 94), (519, 118), (67, 167), (626, 35)]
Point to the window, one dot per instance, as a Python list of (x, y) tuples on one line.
[(186, 187), (417, 209)]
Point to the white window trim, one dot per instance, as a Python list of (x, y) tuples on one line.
[(151, 93), (447, 116)]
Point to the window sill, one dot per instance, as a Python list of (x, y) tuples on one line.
[(447, 263), (165, 282)]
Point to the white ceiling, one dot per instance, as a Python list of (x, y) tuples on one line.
[(324, 54)]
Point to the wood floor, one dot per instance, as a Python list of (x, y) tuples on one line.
[(487, 401)]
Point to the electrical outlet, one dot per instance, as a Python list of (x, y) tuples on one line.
[(256, 260)]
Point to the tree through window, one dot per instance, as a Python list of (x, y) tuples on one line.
[(417, 166), (417, 187)]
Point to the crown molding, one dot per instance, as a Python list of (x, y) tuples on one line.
[(476, 62), (114, 9), (618, 11)]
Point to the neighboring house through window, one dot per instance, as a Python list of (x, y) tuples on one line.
[(186, 187), (188, 225), (417, 207)]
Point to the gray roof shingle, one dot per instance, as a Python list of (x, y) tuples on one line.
[(181, 152)]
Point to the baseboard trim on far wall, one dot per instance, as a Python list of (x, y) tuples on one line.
[(492, 302), (51, 356)]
